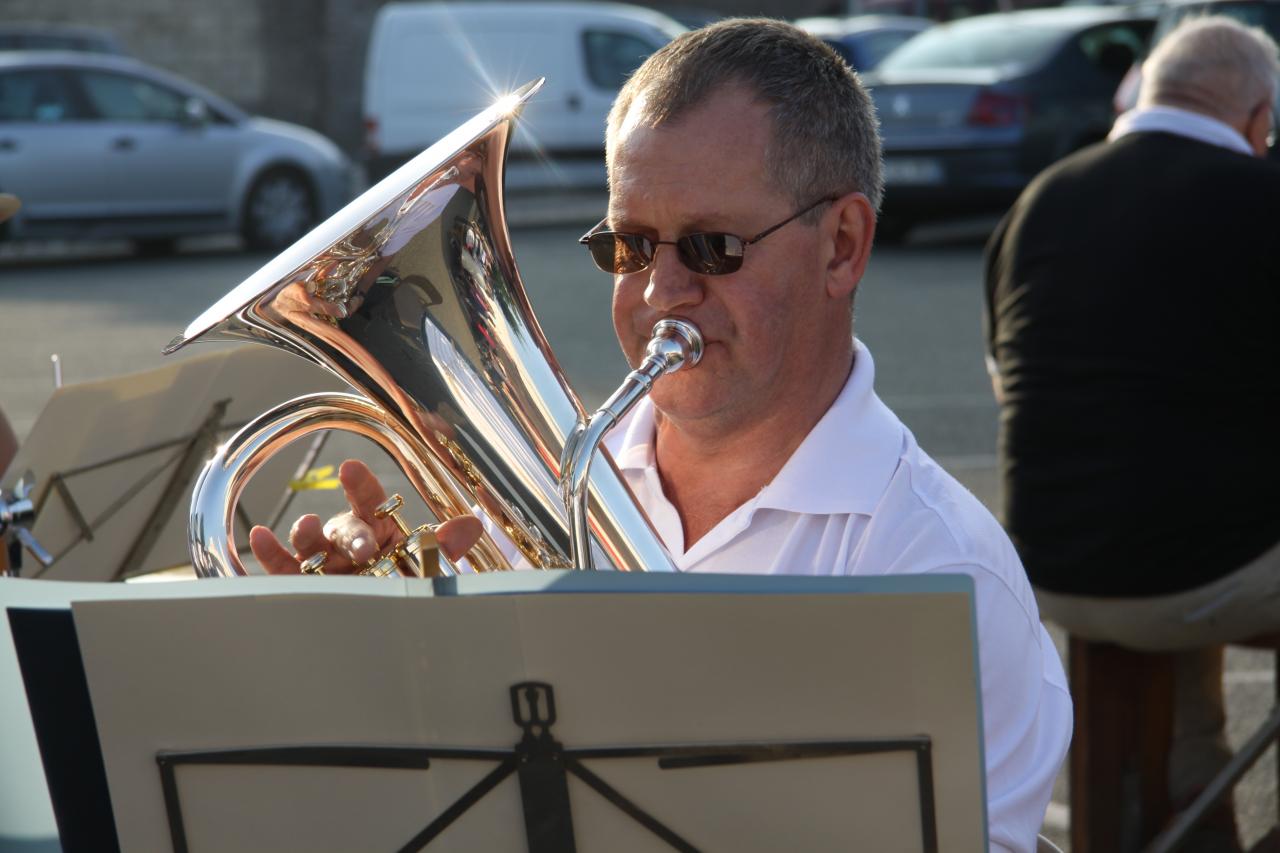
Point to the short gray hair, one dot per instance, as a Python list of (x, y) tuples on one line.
[(1214, 65), (825, 140)]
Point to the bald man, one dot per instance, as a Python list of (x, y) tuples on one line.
[(1132, 294)]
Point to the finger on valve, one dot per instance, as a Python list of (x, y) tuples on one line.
[(456, 537), (352, 537), (365, 493), (459, 535)]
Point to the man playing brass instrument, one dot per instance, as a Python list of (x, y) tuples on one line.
[(744, 174)]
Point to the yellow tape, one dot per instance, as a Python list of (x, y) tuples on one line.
[(316, 478)]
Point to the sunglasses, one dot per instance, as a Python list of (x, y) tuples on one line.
[(707, 253)]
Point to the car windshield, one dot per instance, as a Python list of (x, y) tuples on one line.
[(974, 44), (873, 47), (1250, 13)]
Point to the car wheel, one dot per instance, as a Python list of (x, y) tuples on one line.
[(279, 208)]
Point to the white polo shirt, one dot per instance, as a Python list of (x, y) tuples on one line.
[(859, 497)]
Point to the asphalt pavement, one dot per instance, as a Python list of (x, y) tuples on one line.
[(105, 312)]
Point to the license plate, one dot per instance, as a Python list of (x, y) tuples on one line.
[(915, 171)]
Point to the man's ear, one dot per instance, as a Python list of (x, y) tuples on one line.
[(852, 233), (1258, 128)]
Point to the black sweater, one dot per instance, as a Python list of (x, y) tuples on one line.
[(1133, 297)]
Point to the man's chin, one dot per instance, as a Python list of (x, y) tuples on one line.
[(687, 397)]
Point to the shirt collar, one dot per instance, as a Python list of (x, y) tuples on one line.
[(1192, 125), (858, 437), (631, 441)]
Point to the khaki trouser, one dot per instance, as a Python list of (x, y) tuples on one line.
[(1242, 605)]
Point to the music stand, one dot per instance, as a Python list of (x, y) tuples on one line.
[(115, 459), (754, 713)]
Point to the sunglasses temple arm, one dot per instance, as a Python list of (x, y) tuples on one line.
[(788, 221), (591, 232)]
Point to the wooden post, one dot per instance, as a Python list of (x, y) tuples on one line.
[(1120, 750)]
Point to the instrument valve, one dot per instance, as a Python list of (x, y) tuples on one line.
[(417, 555)]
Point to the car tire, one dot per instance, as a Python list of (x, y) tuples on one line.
[(278, 209)]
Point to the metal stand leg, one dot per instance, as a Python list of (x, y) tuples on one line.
[(1176, 833)]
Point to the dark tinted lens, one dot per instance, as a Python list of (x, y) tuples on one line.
[(711, 254), (619, 253)]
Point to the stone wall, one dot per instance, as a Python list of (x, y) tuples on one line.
[(217, 43), (296, 60)]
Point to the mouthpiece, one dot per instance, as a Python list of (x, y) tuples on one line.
[(675, 344)]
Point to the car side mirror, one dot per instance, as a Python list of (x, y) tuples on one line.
[(195, 113)]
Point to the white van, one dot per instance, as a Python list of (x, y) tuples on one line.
[(431, 66)]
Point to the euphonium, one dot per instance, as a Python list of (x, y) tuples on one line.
[(411, 295)]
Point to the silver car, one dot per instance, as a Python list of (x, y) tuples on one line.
[(105, 146)]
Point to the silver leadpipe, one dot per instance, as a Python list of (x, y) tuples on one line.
[(674, 344)]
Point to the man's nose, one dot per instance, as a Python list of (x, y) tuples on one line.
[(671, 284)]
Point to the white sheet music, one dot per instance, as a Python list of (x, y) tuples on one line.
[(626, 670)]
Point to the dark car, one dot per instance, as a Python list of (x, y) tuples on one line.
[(865, 40), (972, 110)]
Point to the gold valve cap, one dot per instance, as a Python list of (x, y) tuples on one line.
[(314, 565)]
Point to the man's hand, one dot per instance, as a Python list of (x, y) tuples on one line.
[(355, 537)]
